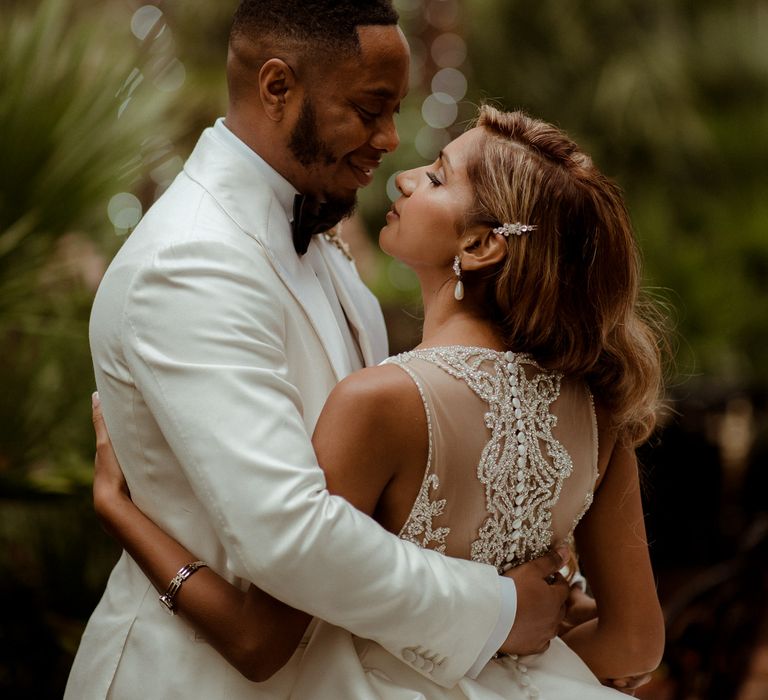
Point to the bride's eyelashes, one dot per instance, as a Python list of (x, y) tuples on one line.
[(434, 179)]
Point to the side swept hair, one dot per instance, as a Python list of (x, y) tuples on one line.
[(327, 24), (568, 292)]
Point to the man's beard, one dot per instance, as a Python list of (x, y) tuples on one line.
[(311, 151)]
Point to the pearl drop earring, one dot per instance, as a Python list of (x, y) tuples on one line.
[(458, 292)]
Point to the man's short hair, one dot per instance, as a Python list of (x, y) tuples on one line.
[(328, 24)]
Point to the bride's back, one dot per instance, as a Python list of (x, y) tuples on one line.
[(512, 455)]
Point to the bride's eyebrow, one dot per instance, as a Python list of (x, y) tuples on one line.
[(444, 157)]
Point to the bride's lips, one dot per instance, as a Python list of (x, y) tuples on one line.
[(392, 214)]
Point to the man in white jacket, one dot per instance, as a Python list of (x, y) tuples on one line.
[(217, 333)]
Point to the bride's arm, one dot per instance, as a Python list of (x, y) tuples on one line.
[(254, 632), (627, 637)]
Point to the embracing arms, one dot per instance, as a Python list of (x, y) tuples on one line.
[(383, 423), (232, 372), (254, 632)]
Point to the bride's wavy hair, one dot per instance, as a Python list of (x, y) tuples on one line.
[(569, 291)]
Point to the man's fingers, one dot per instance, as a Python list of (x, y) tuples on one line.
[(542, 594), (555, 578), (554, 560), (558, 590)]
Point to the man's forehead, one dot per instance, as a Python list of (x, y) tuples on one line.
[(384, 92), (382, 45), (380, 70)]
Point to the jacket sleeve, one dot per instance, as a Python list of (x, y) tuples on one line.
[(205, 342)]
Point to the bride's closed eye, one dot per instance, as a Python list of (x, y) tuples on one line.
[(434, 179)]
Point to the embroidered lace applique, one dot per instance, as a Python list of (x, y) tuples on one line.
[(522, 467), (418, 529)]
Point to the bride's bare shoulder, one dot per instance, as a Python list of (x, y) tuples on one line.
[(379, 413), (378, 406), (384, 392)]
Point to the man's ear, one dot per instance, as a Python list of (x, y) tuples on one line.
[(277, 82), (482, 248)]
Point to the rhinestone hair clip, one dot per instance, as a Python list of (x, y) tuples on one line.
[(517, 229)]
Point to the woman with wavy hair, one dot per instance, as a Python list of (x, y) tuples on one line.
[(509, 430)]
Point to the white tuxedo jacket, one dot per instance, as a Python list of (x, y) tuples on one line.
[(214, 349)]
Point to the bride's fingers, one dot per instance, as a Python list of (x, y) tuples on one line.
[(105, 463), (96, 407), (551, 562), (102, 436), (108, 475), (630, 684)]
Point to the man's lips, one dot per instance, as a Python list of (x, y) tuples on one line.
[(363, 171)]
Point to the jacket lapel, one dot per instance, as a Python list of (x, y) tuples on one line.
[(301, 280), (243, 192), (361, 307)]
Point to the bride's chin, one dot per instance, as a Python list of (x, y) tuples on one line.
[(391, 252), (383, 240)]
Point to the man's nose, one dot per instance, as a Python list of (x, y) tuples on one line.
[(386, 137)]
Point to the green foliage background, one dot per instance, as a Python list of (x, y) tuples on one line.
[(64, 154), (671, 98)]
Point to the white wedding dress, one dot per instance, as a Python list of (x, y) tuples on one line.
[(511, 469)]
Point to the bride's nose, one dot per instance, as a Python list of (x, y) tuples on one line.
[(406, 182)]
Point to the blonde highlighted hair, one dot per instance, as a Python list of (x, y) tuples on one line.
[(568, 292)]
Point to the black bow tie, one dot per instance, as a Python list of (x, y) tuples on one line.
[(309, 218)]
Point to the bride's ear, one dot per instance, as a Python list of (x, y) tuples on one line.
[(482, 248)]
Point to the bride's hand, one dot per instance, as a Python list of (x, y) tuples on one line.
[(629, 685), (109, 485), (579, 608)]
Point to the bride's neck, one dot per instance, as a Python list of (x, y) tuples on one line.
[(448, 321)]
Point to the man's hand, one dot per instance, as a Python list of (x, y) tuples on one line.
[(541, 595)]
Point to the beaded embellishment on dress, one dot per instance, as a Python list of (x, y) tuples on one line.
[(522, 466)]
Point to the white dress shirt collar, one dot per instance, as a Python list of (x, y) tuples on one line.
[(284, 190)]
